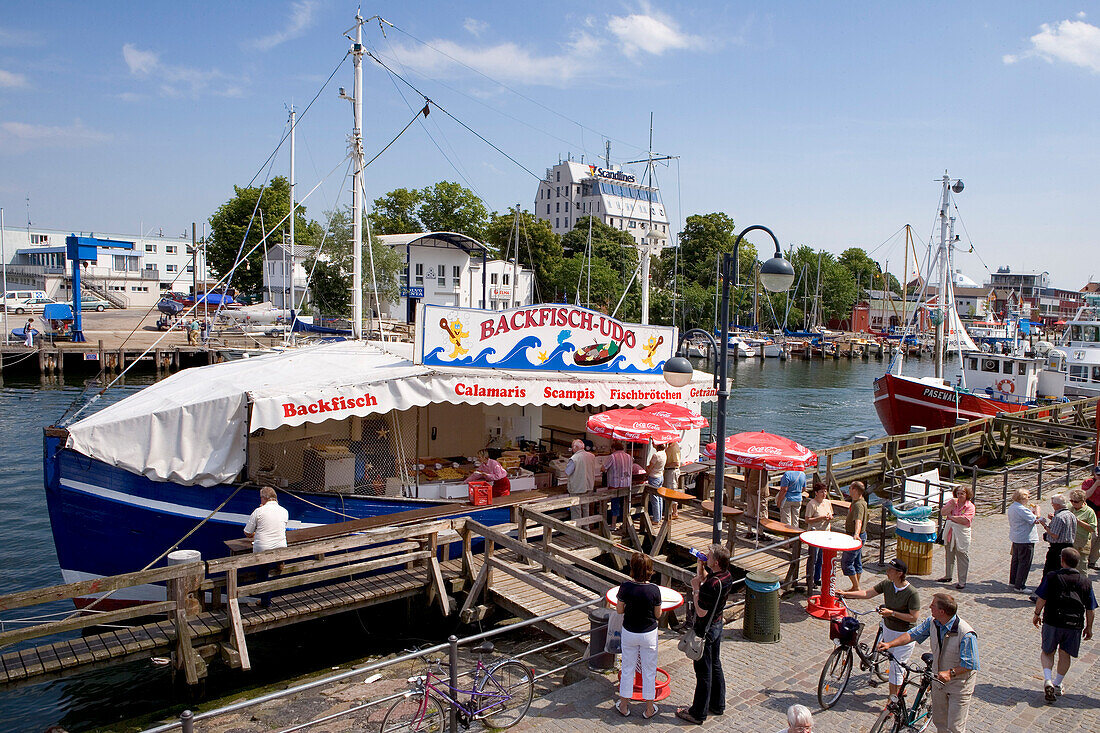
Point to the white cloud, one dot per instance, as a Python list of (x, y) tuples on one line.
[(11, 80), (1070, 41), (18, 137), (175, 81), (301, 18), (648, 32), (1082, 14), (475, 27), (504, 61), (18, 38)]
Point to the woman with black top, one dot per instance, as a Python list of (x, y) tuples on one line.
[(710, 589), (640, 603)]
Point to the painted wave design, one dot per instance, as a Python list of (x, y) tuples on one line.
[(519, 357)]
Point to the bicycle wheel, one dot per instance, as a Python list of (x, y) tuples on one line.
[(920, 717), (880, 661), (834, 676), (887, 720), (415, 714), (504, 694)]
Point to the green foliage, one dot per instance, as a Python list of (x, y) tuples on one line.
[(234, 218), (395, 213), (539, 248), (614, 257), (449, 207)]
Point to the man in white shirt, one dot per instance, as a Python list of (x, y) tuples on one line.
[(266, 527), (581, 471)]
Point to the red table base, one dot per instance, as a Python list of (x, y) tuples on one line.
[(826, 605), (663, 688)]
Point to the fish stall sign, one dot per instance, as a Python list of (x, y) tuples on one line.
[(560, 338)]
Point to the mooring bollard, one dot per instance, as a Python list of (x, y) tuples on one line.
[(187, 721)]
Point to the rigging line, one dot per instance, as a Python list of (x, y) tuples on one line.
[(972, 248), (324, 235), (460, 122), (318, 506), (627, 289), (299, 118), (404, 129), (888, 239), (256, 246), (531, 260), (513, 91)]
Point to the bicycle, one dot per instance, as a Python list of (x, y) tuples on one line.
[(838, 667), (897, 716), (500, 696)]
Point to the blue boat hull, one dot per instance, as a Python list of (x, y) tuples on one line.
[(107, 521)]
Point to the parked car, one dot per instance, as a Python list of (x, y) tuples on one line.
[(93, 303), (30, 305)]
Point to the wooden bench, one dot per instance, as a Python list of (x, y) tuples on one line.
[(730, 515), (778, 528)]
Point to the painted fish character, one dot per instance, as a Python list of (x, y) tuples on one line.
[(651, 348), (455, 334)]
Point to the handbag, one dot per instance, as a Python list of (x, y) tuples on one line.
[(692, 644), (614, 642)]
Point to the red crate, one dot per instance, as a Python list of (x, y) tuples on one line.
[(481, 493)]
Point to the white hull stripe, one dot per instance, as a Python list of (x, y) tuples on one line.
[(166, 507), (943, 407)]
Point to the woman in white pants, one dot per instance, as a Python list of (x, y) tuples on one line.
[(640, 603)]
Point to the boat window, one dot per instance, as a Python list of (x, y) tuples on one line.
[(991, 365), (1021, 368), (1006, 367), (1074, 333), (973, 364), (1090, 333), (1078, 373), (1096, 374)]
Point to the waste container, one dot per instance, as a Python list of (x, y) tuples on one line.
[(597, 638), (915, 539), (761, 607)]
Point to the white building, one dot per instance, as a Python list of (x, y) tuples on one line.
[(131, 275), (444, 268), (572, 190), (277, 274)]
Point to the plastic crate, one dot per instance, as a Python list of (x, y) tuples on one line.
[(481, 493)]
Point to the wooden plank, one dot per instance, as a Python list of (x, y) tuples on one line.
[(81, 621), (31, 663), (435, 578), (331, 573), (541, 557), (613, 576), (36, 596), (315, 563)]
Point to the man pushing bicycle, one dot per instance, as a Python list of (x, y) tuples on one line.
[(900, 610)]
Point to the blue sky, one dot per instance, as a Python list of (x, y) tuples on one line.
[(828, 122)]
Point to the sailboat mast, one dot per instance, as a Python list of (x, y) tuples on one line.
[(941, 256), (905, 280), (292, 120), (646, 240), (357, 184)]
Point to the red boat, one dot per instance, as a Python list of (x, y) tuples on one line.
[(904, 402)]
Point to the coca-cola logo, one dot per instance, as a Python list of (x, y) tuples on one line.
[(769, 450)]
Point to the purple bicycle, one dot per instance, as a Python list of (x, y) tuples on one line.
[(500, 696)]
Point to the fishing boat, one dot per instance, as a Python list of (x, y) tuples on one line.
[(1077, 355), (987, 385), (342, 430)]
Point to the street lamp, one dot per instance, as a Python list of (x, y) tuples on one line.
[(776, 275)]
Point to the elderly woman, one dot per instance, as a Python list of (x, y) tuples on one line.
[(958, 515), (799, 720), (640, 603), (491, 471), (1023, 533)]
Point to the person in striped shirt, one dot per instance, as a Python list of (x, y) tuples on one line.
[(619, 468)]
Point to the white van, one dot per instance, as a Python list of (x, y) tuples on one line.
[(12, 297)]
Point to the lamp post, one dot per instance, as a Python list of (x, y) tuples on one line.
[(776, 275)]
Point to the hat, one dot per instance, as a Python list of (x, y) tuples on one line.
[(898, 565), (1096, 469)]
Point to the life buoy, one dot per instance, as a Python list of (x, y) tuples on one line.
[(1007, 386)]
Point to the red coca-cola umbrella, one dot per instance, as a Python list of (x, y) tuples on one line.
[(682, 418), (765, 451), (635, 426)]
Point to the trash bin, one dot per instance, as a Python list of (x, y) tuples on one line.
[(761, 607), (597, 638)]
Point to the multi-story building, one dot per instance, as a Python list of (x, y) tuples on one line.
[(1038, 300), (133, 275), (572, 190), (444, 268), (278, 275)]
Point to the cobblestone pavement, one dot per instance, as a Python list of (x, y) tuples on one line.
[(763, 679)]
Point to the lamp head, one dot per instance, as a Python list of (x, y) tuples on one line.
[(677, 371), (777, 274)]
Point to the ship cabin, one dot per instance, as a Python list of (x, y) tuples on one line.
[(1006, 378)]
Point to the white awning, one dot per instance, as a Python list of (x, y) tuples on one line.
[(192, 428)]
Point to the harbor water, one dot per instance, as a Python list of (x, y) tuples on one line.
[(818, 403)]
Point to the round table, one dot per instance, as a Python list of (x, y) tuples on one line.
[(827, 605), (670, 599)]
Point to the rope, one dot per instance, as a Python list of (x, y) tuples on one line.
[(318, 506)]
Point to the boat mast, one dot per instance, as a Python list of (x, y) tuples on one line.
[(646, 242), (293, 315), (357, 184)]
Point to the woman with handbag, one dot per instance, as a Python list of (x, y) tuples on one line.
[(640, 603), (710, 588)]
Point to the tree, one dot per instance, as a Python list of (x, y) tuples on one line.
[(234, 218), (613, 251), (862, 268), (332, 267), (449, 207), (395, 213), (539, 248)]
